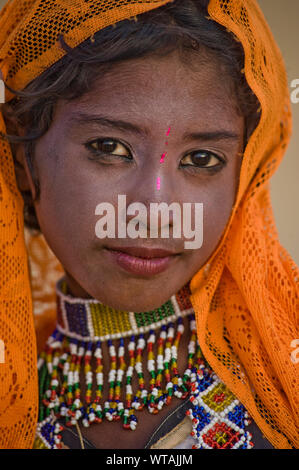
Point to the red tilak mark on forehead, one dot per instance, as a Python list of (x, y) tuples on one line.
[(162, 159)]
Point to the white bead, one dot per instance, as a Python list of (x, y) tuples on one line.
[(88, 377), (130, 371), (151, 338), (99, 377)]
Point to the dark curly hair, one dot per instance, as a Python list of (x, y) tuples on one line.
[(182, 25)]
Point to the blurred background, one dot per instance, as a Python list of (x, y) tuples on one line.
[(283, 20)]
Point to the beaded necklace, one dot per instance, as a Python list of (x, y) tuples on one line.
[(83, 325)]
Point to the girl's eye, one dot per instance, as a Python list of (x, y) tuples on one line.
[(109, 147), (203, 159)]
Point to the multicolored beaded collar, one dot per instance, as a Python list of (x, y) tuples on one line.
[(83, 325), (90, 320)]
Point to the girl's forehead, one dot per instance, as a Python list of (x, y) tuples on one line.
[(151, 85)]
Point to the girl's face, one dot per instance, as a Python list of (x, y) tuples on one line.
[(141, 100)]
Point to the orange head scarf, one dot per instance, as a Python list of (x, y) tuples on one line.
[(246, 297)]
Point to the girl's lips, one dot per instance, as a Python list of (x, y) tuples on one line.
[(138, 265)]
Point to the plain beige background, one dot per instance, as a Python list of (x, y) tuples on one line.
[(282, 17)]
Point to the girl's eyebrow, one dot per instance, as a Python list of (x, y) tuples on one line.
[(221, 134), (83, 118)]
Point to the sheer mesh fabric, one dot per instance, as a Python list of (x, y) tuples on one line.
[(245, 298)]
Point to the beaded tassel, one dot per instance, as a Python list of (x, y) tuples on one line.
[(65, 357)]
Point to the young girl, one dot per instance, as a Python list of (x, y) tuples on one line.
[(180, 102)]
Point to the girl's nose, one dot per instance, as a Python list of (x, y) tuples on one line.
[(154, 188), (154, 182)]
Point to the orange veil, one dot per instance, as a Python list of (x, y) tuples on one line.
[(246, 297)]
